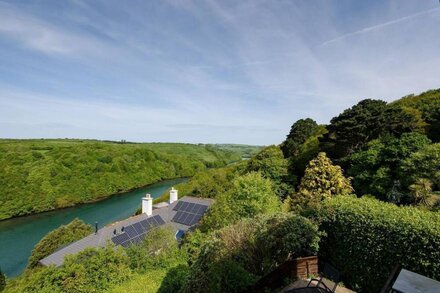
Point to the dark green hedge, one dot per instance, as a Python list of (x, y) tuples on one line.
[(366, 238)]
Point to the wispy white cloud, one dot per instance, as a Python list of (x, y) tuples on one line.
[(36, 34), (381, 25), (210, 71)]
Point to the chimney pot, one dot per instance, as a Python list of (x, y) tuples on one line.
[(147, 205), (173, 195)]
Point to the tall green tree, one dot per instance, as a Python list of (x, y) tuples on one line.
[(272, 165), (427, 104), (251, 194), (322, 180), (300, 131), (376, 169), (270, 162), (423, 164), (306, 152), (369, 119)]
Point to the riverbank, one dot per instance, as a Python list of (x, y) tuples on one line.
[(98, 199), (19, 235), (44, 175)]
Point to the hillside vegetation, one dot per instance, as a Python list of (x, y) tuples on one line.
[(360, 192), (42, 175)]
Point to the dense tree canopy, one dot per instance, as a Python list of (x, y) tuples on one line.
[(322, 180), (428, 105), (423, 164), (306, 152), (369, 119), (250, 195), (272, 165), (376, 169), (300, 131), (41, 175), (270, 162)]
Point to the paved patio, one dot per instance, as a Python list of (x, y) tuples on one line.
[(303, 283)]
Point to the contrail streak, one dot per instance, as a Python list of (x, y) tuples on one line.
[(378, 26)]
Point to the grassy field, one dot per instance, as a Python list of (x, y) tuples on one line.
[(42, 175)]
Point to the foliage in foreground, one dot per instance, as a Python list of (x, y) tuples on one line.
[(101, 269), (58, 238), (158, 250), (42, 175), (250, 195), (235, 257), (149, 281), (92, 270), (366, 238)]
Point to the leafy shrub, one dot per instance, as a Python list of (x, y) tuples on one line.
[(322, 180), (250, 195), (424, 164), (366, 238), (235, 257), (270, 162), (92, 270), (159, 249), (58, 238), (175, 279)]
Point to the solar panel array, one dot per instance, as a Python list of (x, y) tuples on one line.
[(188, 213), (136, 232)]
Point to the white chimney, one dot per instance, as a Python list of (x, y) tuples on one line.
[(173, 195), (147, 205)]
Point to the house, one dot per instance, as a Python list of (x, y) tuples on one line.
[(181, 214)]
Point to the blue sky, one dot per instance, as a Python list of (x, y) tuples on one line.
[(205, 71)]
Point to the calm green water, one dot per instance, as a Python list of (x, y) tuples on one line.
[(19, 236)]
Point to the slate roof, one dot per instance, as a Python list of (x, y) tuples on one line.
[(105, 234)]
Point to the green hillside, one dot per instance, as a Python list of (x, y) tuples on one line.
[(42, 175), (427, 105)]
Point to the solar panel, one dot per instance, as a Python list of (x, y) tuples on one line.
[(130, 231), (189, 219), (160, 220), (184, 205), (202, 210), (138, 228), (145, 224), (177, 206), (136, 232), (189, 213)]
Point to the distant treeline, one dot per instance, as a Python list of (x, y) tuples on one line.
[(42, 175)]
